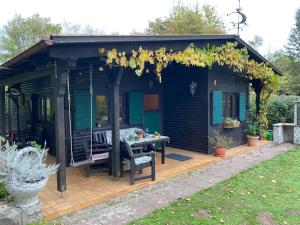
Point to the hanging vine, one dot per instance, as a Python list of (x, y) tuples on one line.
[(228, 54)]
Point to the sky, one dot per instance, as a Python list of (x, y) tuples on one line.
[(270, 19)]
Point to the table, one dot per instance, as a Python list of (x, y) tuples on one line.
[(149, 141)]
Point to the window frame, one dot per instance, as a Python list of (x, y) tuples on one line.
[(123, 108), (230, 103), (42, 112)]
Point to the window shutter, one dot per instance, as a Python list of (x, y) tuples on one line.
[(136, 104), (217, 107), (82, 106), (242, 101)]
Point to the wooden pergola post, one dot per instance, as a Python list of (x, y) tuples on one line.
[(257, 86), (2, 111), (59, 84), (115, 122)]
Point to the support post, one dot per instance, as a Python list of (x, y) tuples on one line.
[(257, 86), (60, 81), (2, 111), (115, 112)]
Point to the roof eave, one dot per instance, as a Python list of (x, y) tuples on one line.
[(38, 47), (256, 53)]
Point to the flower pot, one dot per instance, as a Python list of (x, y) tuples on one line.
[(25, 194), (252, 140), (220, 152)]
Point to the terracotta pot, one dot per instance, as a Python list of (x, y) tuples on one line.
[(220, 152), (252, 140)]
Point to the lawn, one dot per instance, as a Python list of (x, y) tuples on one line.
[(270, 190)]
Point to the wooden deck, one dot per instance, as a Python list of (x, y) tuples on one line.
[(85, 191)]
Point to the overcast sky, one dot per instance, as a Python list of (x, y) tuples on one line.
[(271, 19)]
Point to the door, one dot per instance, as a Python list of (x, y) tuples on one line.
[(151, 113)]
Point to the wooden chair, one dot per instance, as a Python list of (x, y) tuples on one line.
[(100, 152), (138, 161)]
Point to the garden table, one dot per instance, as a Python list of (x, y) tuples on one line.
[(150, 140)]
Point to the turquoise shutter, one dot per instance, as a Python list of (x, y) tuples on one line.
[(136, 108), (242, 101), (217, 107), (82, 106)]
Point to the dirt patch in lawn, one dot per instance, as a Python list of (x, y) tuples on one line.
[(201, 213), (294, 213), (265, 218)]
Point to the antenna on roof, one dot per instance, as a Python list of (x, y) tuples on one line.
[(241, 20)]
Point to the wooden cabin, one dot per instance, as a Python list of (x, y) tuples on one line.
[(187, 105)]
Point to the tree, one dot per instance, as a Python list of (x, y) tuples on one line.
[(20, 33), (257, 42), (188, 20), (293, 47), (77, 29)]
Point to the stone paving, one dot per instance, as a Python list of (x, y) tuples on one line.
[(140, 203)]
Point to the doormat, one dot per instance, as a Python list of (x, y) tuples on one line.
[(178, 157)]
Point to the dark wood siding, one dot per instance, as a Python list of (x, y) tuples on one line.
[(186, 114), (40, 86), (227, 81)]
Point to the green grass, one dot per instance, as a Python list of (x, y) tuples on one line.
[(273, 186)]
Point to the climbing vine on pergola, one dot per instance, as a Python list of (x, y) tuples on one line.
[(228, 54)]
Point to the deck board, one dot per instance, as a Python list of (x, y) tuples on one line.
[(85, 191)]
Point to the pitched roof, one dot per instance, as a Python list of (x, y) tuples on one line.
[(42, 47)]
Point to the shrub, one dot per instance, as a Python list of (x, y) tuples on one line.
[(218, 140), (280, 106), (3, 193)]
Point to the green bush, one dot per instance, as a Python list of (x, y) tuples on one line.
[(280, 107), (3, 193)]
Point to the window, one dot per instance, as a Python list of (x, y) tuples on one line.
[(151, 102), (230, 105), (103, 110), (102, 116), (43, 108)]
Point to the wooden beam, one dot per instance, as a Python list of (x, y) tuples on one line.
[(115, 112), (59, 82), (257, 87), (22, 77), (2, 111)]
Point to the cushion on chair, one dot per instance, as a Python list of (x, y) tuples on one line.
[(124, 134), (142, 160), (100, 156)]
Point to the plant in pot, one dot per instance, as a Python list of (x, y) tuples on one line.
[(252, 137), (230, 123), (24, 173), (219, 143), (139, 133)]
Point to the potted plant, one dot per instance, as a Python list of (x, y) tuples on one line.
[(24, 173), (156, 135), (220, 143), (230, 123), (139, 133), (252, 137)]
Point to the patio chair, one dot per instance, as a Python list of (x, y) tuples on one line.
[(100, 152), (138, 161)]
